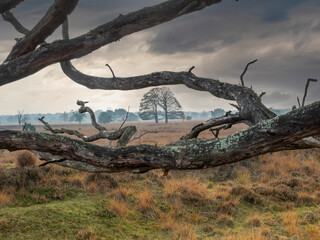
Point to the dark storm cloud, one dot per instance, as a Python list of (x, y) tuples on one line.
[(224, 24), (219, 40)]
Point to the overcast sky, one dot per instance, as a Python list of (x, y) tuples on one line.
[(284, 35)]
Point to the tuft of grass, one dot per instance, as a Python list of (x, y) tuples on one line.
[(290, 222), (166, 220), (120, 193), (146, 203), (184, 232), (311, 165), (26, 159), (6, 196), (92, 187), (86, 234), (77, 180), (305, 198), (119, 208), (254, 221), (225, 221), (279, 164), (187, 189), (221, 192), (229, 207), (194, 218), (4, 223), (313, 232), (253, 234), (243, 177)]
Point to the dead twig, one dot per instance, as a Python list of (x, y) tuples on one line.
[(245, 70), (306, 90), (111, 70)]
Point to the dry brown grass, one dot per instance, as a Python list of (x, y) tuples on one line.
[(4, 223), (282, 164), (306, 198), (119, 208), (221, 192), (311, 165), (77, 180), (145, 201), (229, 207), (254, 221), (86, 234), (184, 232), (187, 189), (26, 159), (7, 157), (313, 232), (225, 220), (6, 196), (120, 193), (181, 231), (252, 234), (290, 223), (167, 220), (243, 177), (92, 187)]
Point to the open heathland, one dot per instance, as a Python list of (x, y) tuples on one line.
[(274, 196)]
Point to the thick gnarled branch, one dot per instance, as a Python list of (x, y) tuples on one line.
[(53, 18), (109, 32), (268, 136)]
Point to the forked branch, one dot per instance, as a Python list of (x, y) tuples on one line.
[(123, 135)]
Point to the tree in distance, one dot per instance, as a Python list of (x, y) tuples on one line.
[(105, 117), (119, 114), (160, 98), (64, 116), (76, 117), (169, 104), (149, 106), (218, 112), (132, 117)]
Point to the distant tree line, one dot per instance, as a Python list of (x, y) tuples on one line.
[(117, 115), (72, 116), (111, 116)]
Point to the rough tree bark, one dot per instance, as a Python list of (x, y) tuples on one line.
[(62, 50), (266, 133), (268, 136)]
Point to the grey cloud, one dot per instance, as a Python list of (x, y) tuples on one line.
[(219, 41), (227, 23)]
